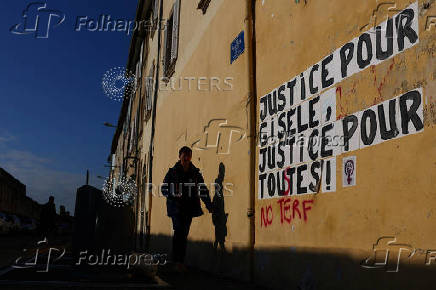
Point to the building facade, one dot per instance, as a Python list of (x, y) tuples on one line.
[(13, 199), (313, 125)]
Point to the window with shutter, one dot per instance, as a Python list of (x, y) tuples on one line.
[(155, 9), (137, 119), (166, 47), (151, 88), (171, 40), (128, 116), (203, 4), (141, 55), (155, 16), (175, 34), (149, 93), (137, 74), (132, 130)]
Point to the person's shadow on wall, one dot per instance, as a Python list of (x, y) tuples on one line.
[(219, 216)]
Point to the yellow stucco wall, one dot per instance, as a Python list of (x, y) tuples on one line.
[(394, 193), (184, 114)]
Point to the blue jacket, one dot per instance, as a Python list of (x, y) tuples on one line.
[(183, 191)]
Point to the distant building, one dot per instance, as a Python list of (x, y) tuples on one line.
[(62, 210), (13, 197), (63, 213)]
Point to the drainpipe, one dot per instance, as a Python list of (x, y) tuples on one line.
[(251, 103), (153, 121)]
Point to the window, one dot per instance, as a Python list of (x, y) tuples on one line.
[(155, 16), (171, 40), (149, 91), (141, 57), (138, 73), (125, 125), (132, 140), (203, 4)]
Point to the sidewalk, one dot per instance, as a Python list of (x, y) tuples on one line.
[(63, 274), (11, 247), (196, 279), (60, 278)]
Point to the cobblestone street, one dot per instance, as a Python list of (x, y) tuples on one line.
[(63, 274)]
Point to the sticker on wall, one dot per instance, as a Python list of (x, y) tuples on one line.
[(349, 171), (237, 47), (328, 175)]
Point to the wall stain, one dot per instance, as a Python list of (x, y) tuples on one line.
[(430, 112)]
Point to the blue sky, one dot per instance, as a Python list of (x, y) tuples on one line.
[(52, 106)]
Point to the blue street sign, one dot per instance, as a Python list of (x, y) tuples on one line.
[(237, 47)]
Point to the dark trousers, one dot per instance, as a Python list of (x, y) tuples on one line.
[(181, 225)]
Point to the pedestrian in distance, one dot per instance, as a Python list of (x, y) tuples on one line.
[(48, 218)]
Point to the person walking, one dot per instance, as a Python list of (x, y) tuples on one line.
[(183, 186), (48, 218)]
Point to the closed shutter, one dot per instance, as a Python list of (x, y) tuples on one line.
[(147, 92), (175, 33), (150, 88), (155, 10), (129, 149), (113, 163), (137, 75), (141, 55), (137, 123), (165, 61)]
